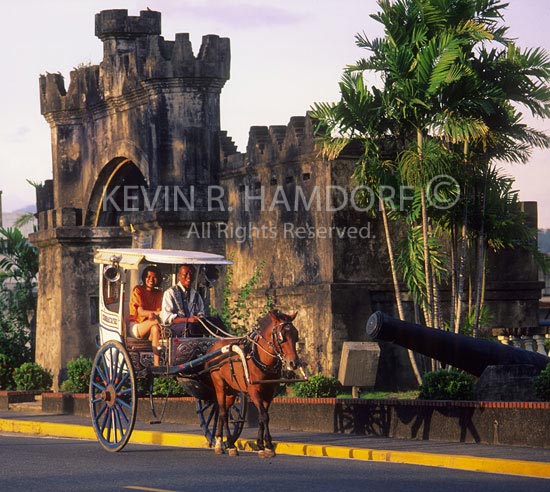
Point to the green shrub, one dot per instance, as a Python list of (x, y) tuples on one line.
[(446, 385), (167, 386), (542, 384), (78, 375), (15, 341), (318, 386), (6, 372), (32, 376)]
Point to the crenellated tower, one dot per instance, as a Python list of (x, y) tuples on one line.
[(130, 137), (150, 100)]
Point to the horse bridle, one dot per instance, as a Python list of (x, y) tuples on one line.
[(277, 339)]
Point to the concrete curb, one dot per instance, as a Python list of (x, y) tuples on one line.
[(458, 462)]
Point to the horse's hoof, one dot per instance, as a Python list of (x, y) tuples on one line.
[(266, 453), (233, 452), (218, 450)]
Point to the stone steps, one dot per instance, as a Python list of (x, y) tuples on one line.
[(28, 406)]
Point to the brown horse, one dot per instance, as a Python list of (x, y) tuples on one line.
[(267, 348)]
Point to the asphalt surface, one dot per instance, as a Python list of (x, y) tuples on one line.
[(511, 460)]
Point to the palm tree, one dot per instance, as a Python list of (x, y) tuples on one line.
[(18, 270), (423, 52), (446, 86), (18, 258), (446, 105), (358, 117), (499, 77)]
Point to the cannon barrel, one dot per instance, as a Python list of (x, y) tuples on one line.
[(472, 355)]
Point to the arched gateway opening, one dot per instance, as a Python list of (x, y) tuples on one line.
[(120, 188)]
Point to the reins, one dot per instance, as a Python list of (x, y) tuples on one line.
[(274, 344), (277, 349), (203, 322)]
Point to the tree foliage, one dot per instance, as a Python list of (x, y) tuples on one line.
[(453, 87), (78, 375), (542, 384), (318, 386), (32, 376), (447, 385), (18, 271)]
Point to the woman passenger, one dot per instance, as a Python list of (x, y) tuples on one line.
[(145, 304)]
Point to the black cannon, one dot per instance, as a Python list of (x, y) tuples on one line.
[(472, 355)]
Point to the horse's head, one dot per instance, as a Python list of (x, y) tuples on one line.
[(285, 337)]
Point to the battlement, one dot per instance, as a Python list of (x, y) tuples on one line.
[(118, 24), (134, 54), (276, 143)]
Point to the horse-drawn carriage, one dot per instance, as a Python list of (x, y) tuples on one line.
[(218, 369)]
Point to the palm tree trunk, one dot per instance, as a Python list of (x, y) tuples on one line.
[(453, 302), (480, 261), (478, 278), (461, 274), (396, 288), (436, 299), (437, 302), (393, 269), (427, 269), (463, 250), (483, 282)]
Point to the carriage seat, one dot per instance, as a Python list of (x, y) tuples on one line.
[(138, 344)]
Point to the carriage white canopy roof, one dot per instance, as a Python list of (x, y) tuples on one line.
[(131, 258)]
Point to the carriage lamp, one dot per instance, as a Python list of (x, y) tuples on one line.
[(112, 272)]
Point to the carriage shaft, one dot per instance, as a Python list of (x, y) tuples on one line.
[(192, 367)]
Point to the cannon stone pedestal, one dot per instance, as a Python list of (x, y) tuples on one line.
[(507, 383)]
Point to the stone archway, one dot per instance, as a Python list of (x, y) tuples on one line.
[(120, 186)]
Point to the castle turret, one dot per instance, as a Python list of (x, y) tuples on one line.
[(130, 137), (157, 91)]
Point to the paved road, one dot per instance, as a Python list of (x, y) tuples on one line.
[(38, 464)]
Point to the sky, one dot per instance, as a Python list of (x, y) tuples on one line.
[(285, 55)]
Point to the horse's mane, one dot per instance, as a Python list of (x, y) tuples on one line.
[(264, 322)]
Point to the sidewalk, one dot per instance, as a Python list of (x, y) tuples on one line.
[(511, 460)]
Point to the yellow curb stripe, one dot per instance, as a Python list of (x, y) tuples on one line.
[(168, 439), (459, 462), (47, 429)]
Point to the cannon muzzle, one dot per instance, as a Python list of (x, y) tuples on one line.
[(472, 355)]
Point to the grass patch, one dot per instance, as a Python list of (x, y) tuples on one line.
[(384, 395)]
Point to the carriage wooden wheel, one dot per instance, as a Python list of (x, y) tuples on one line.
[(113, 401), (208, 412)]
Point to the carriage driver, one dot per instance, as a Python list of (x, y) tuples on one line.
[(182, 305)]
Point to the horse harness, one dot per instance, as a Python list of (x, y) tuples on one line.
[(250, 348), (277, 339)]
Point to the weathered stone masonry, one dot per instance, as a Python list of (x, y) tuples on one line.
[(332, 281)]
